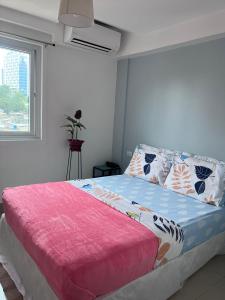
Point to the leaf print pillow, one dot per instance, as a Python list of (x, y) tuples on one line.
[(200, 179), (170, 154), (150, 166), (215, 161)]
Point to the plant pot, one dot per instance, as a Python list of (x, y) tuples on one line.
[(75, 145)]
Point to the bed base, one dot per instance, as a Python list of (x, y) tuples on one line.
[(159, 284)]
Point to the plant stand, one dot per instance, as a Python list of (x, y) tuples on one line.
[(79, 164)]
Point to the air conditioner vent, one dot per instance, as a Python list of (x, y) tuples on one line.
[(96, 38), (91, 45)]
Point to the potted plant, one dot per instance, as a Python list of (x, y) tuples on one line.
[(73, 127)]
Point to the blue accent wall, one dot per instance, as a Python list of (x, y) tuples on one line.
[(173, 99)]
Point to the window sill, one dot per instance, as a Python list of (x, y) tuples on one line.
[(19, 138)]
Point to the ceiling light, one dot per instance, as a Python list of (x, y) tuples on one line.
[(76, 13)]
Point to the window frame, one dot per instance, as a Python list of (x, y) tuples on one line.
[(35, 115)]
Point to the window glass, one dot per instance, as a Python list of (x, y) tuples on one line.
[(14, 90)]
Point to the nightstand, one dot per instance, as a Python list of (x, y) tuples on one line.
[(104, 170)]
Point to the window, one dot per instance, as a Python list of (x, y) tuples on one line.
[(20, 89)]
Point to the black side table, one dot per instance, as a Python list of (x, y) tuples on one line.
[(104, 170)]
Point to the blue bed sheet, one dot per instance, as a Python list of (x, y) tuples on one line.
[(200, 221)]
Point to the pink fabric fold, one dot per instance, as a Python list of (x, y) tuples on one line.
[(83, 247)]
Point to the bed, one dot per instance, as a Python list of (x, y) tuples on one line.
[(203, 227)]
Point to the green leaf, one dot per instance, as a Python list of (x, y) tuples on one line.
[(70, 131), (71, 119), (67, 125)]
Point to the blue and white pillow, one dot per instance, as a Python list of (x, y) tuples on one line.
[(200, 179), (149, 165), (185, 155), (170, 154)]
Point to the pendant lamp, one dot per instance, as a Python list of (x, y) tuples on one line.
[(76, 13)]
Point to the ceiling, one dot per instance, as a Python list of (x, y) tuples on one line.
[(136, 16)]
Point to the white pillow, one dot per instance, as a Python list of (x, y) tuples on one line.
[(149, 165), (202, 157), (170, 154), (200, 179), (209, 159)]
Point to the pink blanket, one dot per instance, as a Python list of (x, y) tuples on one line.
[(83, 247)]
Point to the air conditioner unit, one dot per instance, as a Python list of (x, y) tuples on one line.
[(97, 38)]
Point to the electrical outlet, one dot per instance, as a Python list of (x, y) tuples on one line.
[(129, 153)]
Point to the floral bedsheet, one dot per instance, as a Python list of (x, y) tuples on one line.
[(169, 233)]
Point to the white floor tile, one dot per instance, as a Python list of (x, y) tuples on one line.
[(216, 292), (217, 265), (205, 279)]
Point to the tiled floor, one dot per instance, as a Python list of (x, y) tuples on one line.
[(207, 284)]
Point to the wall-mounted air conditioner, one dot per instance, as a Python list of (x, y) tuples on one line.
[(97, 38)]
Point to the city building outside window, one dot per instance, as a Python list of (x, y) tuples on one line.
[(20, 89)]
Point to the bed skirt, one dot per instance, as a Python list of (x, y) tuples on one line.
[(159, 284)]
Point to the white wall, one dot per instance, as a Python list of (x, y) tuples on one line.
[(73, 79)]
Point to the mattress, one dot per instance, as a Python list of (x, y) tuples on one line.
[(199, 221)]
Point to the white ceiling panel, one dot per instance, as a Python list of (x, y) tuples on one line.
[(137, 16)]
